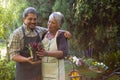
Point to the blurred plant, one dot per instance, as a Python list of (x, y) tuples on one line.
[(98, 67), (7, 70), (88, 61), (112, 60), (91, 63), (76, 62)]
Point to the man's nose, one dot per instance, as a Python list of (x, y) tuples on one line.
[(33, 21)]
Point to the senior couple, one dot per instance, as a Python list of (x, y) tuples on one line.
[(55, 47)]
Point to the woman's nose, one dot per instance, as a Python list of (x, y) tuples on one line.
[(49, 24)]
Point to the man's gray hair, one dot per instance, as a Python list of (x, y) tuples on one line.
[(29, 10), (59, 17)]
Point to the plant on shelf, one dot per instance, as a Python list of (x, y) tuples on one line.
[(98, 67)]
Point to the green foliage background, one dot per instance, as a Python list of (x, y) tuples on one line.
[(94, 24), (7, 70)]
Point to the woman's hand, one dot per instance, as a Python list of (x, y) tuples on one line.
[(41, 53)]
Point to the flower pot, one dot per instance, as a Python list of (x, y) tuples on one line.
[(75, 75)]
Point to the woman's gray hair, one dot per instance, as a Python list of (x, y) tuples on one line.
[(29, 10), (59, 17)]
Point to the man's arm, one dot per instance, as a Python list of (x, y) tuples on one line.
[(19, 58), (14, 49), (67, 34)]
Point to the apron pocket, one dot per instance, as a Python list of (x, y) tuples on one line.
[(50, 69)]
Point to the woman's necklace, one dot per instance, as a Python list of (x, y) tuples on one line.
[(50, 36)]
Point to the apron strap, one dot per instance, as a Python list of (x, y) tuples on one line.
[(24, 36)]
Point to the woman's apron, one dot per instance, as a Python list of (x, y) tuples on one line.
[(25, 70), (52, 68)]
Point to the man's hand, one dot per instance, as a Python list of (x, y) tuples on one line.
[(67, 34), (30, 60)]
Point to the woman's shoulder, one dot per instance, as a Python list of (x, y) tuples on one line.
[(61, 32), (61, 36)]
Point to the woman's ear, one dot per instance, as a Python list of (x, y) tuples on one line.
[(59, 26)]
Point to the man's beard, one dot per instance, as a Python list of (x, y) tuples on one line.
[(31, 27)]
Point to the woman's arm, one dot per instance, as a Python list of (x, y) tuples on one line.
[(62, 44)]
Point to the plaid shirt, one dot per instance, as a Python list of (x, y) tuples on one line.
[(16, 41)]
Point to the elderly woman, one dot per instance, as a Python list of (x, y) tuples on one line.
[(56, 48)]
